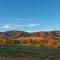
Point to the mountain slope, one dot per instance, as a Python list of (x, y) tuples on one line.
[(51, 38), (51, 34)]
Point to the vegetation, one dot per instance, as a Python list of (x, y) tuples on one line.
[(36, 41), (22, 46), (21, 52)]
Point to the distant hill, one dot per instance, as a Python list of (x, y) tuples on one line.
[(50, 34), (47, 38), (14, 34)]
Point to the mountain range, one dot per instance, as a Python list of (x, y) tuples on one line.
[(44, 36), (49, 34)]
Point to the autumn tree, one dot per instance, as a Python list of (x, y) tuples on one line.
[(16, 42)]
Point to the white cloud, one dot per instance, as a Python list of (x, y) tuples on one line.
[(33, 25), (17, 25), (6, 26), (25, 27), (31, 31)]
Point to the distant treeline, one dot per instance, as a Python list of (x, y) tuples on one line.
[(36, 41)]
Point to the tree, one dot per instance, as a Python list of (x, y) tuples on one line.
[(54, 43), (25, 41), (16, 42)]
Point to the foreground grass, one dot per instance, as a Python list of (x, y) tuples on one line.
[(23, 52)]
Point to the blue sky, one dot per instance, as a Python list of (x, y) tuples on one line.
[(29, 15)]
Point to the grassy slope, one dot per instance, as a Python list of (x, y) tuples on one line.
[(20, 52)]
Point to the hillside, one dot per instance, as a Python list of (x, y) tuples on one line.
[(50, 39)]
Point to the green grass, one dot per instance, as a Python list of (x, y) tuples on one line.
[(22, 52)]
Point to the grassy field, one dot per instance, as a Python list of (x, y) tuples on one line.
[(21, 52)]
